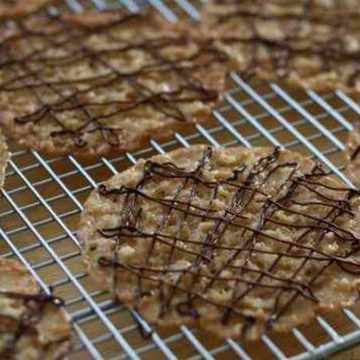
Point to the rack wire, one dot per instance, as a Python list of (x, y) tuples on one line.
[(43, 198)]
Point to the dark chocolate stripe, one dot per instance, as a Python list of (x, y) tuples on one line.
[(32, 316), (25, 73), (246, 185)]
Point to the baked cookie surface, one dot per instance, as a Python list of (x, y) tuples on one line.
[(235, 241), (353, 156), (17, 8), (4, 157), (314, 44), (99, 82), (32, 326)]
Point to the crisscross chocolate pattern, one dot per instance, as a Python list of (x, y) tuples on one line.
[(292, 39), (277, 235), (27, 325), (101, 80)]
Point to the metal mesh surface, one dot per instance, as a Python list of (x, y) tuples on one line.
[(43, 198)]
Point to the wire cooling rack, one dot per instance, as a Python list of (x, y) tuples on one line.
[(43, 198)]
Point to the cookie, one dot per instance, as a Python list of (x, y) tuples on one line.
[(353, 156), (313, 44), (102, 82), (32, 326), (318, 8), (236, 241), (4, 157), (18, 8)]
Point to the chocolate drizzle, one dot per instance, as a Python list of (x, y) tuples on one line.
[(27, 324), (26, 68), (305, 249), (355, 153), (305, 41)]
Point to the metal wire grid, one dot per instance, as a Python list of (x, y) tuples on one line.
[(43, 198)]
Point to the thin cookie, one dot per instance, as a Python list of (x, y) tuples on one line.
[(32, 326), (19, 8), (105, 82), (313, 44), (309, 8), (4, 157), (235, 241), (353, 156)]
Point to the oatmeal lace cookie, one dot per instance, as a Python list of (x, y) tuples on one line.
[(353, 156), (4, 157), (32, 326), (105, 81), (18, 8), (314, 44), (235, 241)]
